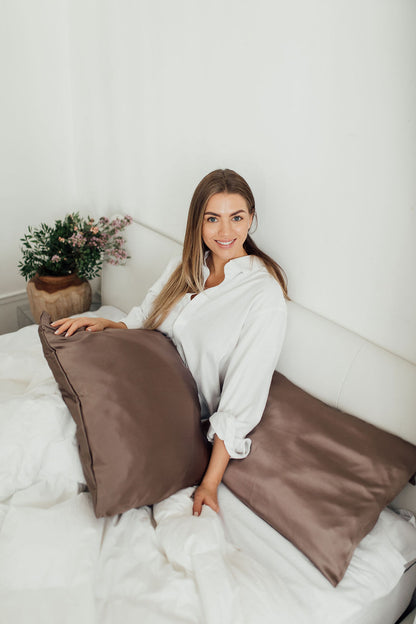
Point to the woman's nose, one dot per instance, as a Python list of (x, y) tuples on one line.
[(224, 228)]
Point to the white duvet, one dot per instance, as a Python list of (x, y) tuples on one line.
[(58, 563)]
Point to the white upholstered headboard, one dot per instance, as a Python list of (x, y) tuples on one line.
[(328, 361), (149, 251)]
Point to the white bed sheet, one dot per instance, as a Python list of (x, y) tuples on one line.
[(59, 563)]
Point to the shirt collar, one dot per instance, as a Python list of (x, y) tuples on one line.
[(244, 264)]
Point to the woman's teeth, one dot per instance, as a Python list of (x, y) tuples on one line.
[(225, 243)]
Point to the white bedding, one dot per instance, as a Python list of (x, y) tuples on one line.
[(58, 563)]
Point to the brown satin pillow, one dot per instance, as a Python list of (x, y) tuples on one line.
[(137, 413), (319, 476)]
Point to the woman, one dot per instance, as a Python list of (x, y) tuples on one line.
[(224, 308)]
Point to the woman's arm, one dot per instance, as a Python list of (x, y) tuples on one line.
[(247, 378), (243, 396), (133, 320), (206, 493)]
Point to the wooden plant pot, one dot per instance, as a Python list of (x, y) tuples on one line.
[(60, 296)]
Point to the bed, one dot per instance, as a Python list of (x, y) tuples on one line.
[(159, 564)]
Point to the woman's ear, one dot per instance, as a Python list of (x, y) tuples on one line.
[(253, 218)]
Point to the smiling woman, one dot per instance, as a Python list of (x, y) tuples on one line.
[(227, 222), (223, 306)]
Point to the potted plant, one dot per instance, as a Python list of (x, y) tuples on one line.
[(59, 260)]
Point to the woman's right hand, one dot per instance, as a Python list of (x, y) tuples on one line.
[(69, 326)]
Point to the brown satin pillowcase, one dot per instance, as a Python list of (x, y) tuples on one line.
[(137, 413), (319, 476)]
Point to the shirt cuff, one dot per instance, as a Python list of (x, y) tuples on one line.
[(132, 321), (223, 424), (127, 323)]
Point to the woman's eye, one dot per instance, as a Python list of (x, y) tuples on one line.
[(238, 218), (211, 219)]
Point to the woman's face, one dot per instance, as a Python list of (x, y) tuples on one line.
[(226, 225)]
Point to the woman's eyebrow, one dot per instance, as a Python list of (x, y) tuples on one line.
[(214, 214)]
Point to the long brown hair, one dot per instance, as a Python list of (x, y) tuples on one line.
[(188, 276)]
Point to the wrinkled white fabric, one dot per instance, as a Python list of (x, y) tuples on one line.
[(244, 591), (230, 337)]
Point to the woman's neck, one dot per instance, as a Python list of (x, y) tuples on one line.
[(216, 267)]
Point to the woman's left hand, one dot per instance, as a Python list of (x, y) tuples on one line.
[(205, 494)]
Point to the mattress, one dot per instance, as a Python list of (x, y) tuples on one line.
[(160, 564)]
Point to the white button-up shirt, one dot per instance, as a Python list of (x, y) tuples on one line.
[(230, 337)]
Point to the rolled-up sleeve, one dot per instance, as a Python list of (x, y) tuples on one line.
[(137, 315), (247, 379)]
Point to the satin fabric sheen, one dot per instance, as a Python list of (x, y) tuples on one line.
[(319, 476), (137, 414)]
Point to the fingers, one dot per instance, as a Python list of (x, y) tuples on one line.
[(69, 326), (95, 328), (76, 324), (197, 507), (59, 322), (63, 325), (204, 499)]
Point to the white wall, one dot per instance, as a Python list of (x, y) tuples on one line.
[(313, 102), (36, 173)]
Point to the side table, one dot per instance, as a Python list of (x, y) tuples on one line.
[(24, 315)]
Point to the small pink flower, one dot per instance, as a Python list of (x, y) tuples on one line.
[(61, 240), (77, 240), (55, 258)]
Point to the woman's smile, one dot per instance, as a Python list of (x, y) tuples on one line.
[(226, 243)]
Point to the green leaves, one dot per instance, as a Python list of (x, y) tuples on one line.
[(72, 245)]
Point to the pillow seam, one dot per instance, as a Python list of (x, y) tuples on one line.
[(79, 404)]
